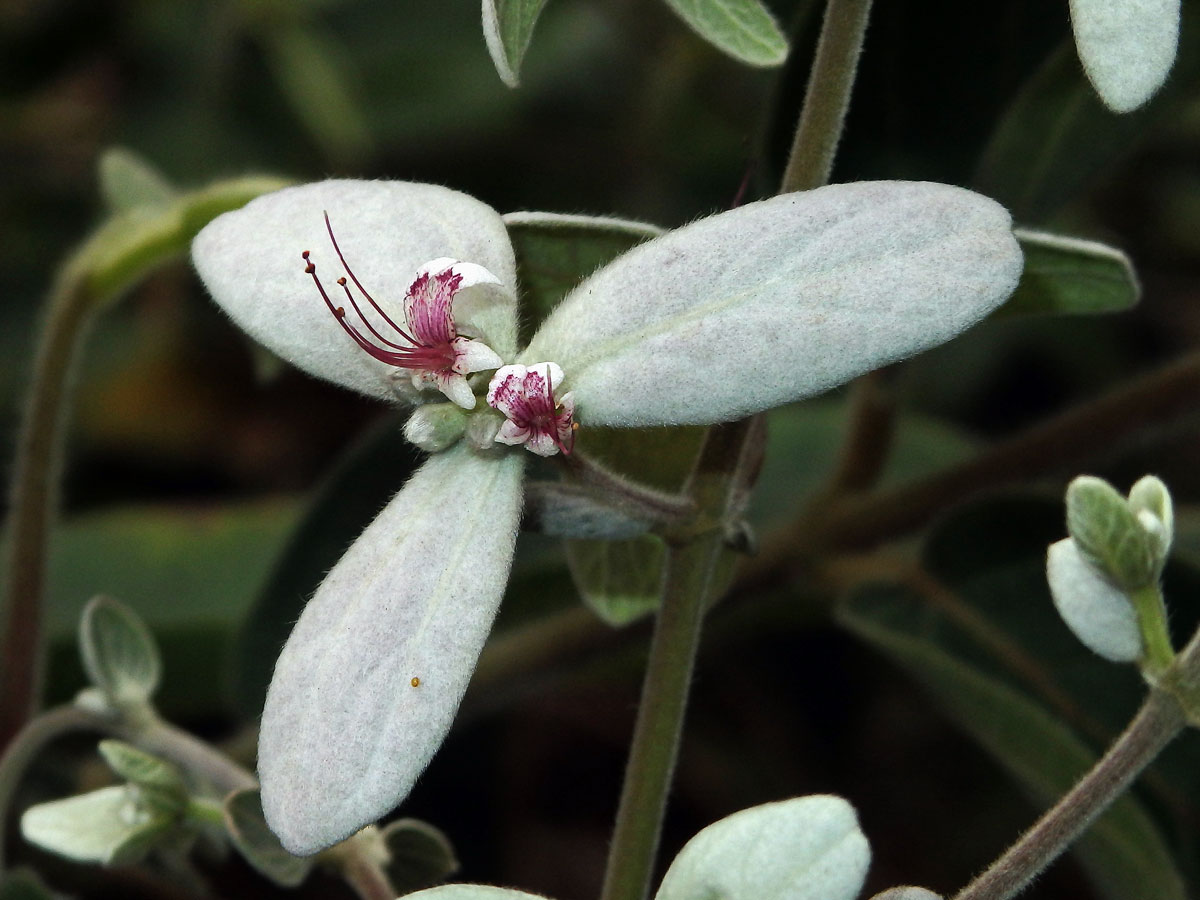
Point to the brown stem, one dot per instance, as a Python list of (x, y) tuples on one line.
[(1158, 399), (367, 878), (33, 500), (1156, 724), (869, 437)]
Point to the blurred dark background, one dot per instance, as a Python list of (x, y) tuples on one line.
[(193, 457)]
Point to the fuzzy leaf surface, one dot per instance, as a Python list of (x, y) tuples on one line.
[(369, 681), (744, 29), (1096, 610), (1127, 47), (250, 261), (508, 29), (119, 653), (105, 826), (806, 848), (778, 300)]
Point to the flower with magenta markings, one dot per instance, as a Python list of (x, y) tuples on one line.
[(725, 317), (533, 416)]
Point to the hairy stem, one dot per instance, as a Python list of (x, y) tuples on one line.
[(33, 498), (647, 502), (728, 462), (1160, 719), (1152, 622), (828, 95), (189, 752), (368, 880), (727, 467), (660, 719)]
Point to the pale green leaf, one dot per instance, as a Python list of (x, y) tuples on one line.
[(128, 181), (118, 652), (1069, 276), (249, 833), (744, 29), (806, 848), (800, 293), (1108, 533), (1099, 613), (619, 581), (555, 252), (508, 28), (107, 826), (370, 679), (144, 769), (420, 854)]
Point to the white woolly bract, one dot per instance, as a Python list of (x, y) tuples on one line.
[(808, 848), (250, 262), (1127, 47), (778, 300), (1095, 609), (345, 731)]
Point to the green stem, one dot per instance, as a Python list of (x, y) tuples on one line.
[(1152, 622), (726, 468), (656, 735), (33, 498), (205, 811), (828, 95), (1158, 721), (189, 752)]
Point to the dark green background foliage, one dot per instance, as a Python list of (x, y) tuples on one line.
[(211, 488)]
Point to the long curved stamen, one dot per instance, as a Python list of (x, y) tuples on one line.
[(349, 296), (358, 284), (416, 357)]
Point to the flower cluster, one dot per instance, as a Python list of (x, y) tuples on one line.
[(732, 315)]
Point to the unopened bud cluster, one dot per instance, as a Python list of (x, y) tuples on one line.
[(1115, 554)]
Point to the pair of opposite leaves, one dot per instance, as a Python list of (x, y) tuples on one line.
[(728, 316)]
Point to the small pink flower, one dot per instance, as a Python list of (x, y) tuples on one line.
[(437, 355), (533, 417)]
